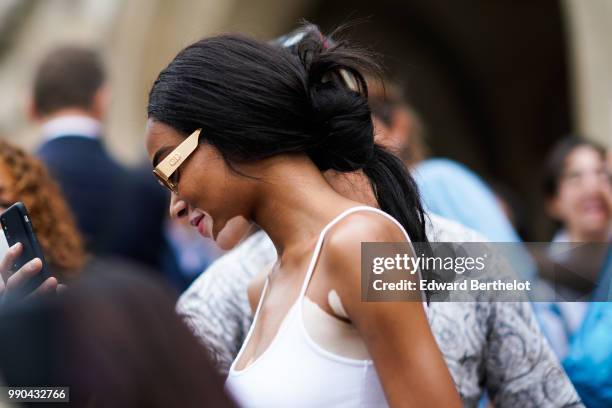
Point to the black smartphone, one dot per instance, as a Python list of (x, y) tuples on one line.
[(17, 227)]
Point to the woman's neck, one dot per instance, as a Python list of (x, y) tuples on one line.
[(295, 202)]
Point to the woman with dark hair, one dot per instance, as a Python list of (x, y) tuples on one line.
[(238, 127), (113, 338), (577, 189), (578, 196)]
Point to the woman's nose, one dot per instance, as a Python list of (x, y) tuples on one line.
[(178, 207)]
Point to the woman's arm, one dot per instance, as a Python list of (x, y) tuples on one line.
[(408, 361)]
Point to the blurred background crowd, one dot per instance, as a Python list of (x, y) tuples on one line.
[(502, 110), (496, 84)]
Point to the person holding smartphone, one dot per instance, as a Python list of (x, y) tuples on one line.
[(24, 178)]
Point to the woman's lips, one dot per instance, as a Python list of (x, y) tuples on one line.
[(199, 223), (202, 227), (196, 221)]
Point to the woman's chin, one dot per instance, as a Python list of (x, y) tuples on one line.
[(233, 232), (214, 229), (205, 226), (226, 241), (202, 230)]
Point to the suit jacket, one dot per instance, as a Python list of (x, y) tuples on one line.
[(94, 185)]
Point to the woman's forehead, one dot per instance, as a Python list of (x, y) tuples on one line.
[(584, 156)]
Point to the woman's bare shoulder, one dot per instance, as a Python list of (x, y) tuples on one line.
[(341, 253), (358, 227)]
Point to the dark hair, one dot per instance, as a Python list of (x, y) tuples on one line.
[(555, 161), (255, 100), (68, 77), (115, 339)]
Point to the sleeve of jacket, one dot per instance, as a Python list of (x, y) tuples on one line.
[(521, 368)]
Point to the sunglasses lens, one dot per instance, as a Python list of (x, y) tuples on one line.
[(165, 183)]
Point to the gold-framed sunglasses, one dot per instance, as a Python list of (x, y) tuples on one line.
[(167, 168)]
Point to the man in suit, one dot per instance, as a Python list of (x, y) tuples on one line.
[(69, 100)]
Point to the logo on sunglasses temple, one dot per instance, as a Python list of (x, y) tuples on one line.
[(174, 159)]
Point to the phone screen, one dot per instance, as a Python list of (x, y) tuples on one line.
[(4, 247)]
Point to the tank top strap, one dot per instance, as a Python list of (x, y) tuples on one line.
[(255, 316), (319, 245)]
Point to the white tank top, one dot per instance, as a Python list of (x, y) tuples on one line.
[(294, 371)]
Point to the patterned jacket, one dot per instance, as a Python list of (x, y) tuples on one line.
[(495, 347)]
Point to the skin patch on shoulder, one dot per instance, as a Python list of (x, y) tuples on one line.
[(336, 304)]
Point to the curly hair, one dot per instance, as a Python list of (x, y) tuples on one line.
[(54, 224)]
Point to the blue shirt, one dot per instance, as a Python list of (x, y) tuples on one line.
[(453, 191)]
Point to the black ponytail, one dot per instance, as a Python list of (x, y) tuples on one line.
[(339, 92), (396, 192), (255, 100)]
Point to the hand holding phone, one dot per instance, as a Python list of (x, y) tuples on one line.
[(23, 268)]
